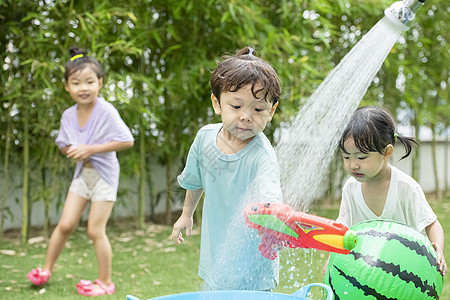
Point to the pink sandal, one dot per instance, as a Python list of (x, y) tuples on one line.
[(98, 288), (39, 276)]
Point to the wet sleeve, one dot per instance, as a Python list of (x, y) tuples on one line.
[(190, 178), (422, 213), (266, 186)]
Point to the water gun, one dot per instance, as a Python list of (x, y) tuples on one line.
[(281, 226)]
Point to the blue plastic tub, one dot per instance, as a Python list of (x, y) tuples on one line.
[(244, 295)]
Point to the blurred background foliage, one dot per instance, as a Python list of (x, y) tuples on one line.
[(159, 55)]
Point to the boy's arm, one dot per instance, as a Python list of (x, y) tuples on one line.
[(83, 152), (186, 219), (435, 234)]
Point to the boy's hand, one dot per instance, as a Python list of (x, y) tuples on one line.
[(441, 259), (183, 222)]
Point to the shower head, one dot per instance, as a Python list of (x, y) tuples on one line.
[(403, 12)]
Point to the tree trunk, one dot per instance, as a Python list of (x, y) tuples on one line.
[(45, 192), (26, 182), (416, 154), (153, 197), (143, 175), (51, 196), (434, 159), (446, 150), (169, 193), (5, 179)]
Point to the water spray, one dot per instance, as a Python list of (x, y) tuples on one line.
[(308, 145), (403, 12)]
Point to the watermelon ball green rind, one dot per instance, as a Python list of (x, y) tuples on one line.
[(390, 261)]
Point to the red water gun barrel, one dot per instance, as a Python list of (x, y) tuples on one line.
[(281, 226)]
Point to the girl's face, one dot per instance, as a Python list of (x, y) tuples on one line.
[(365, 167), (243, 115), (83, 86)]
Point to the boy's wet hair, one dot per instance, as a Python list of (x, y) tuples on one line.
[(79, 60), (242, 69), (372, 129)]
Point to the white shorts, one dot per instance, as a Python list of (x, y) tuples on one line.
[(90, 185)]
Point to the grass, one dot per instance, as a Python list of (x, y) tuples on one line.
[(148, 264)]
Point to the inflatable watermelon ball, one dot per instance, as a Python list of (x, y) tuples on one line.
[(390, 261)]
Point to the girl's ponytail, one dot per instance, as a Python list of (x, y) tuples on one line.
[(407, 142)]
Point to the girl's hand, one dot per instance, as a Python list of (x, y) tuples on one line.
[(80, 152), (441, 259)]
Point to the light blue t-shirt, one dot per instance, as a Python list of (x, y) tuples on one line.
[(229, 255)]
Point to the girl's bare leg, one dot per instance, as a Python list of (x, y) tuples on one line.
[(98, 218), (72, 211)]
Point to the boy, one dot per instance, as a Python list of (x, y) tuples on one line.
[(228, 159)]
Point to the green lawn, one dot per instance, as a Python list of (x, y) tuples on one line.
[(148, 264)]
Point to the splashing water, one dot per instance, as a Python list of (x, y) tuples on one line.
[(239, 264), (307, 146), (301, 267)]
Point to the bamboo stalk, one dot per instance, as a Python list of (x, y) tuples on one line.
[(142, 175), (26, 182), (5, 179)]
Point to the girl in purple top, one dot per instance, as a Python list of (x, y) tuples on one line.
[(91, 132)]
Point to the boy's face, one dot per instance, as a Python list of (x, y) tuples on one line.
[(243, 115)]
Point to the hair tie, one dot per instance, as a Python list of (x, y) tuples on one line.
[(76, 56), (395, 136)]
